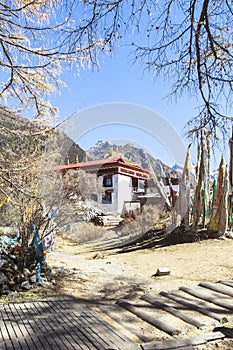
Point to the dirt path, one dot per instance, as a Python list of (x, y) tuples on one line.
[(103, 277), (189, 264)]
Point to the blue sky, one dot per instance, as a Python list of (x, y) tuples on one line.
[(117, 81)]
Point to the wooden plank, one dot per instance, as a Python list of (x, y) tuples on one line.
[(35, 342), (227, 283), (16, 344), (37, 330), (27, 322), (194, 305), (186, 348), (106, 332), (177, 313), (78, 341), (145, 317), (185, 342), (73, 333), (199, 294), (8, 323), (73, 325), (19, 326), (6, 345), (116, 338), (106, 335), (3, 328), (20, 319), (53, 323), (217, 287), (43, 325), (88, 319), (95, 339)]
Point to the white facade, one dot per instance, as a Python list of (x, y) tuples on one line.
[(119, 193), (121, 182)]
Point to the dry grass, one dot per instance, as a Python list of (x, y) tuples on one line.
[(86, 232), (142, 222)]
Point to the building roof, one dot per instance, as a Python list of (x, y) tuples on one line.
[(102, 164)]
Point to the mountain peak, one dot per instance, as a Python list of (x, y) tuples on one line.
[(106, 149)]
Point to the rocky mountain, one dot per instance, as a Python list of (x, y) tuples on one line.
[(105, 149), (20, 136)]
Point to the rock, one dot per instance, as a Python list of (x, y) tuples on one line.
[(3, 279), (2, 262), (98, 256), (40, 283), (17, 278), (81, 276), (162, 271), (26, 285), (14, 267), (13, 296), (26, 272), (4, 289), (11, 283), (60, 269), (33, 278), (43, 280)]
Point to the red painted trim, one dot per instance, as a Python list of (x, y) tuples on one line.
[(127, 171), (105, 164)]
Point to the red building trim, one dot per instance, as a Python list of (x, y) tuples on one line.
[(103, 164)]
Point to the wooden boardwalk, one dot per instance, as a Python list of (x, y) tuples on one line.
[(181, 319), (201, 310), (61, 323)]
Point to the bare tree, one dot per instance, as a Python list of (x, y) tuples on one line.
[(189, 42), (38, 39)]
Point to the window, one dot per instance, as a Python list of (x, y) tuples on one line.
[(135, 183), (107, 197), (107, 181)]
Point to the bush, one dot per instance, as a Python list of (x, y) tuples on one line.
[(141, 223), (86, 232)]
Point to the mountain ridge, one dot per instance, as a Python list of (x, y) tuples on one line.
[(15, 132), (106, 149)]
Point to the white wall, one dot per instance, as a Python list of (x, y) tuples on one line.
[(122, 191), (125, 190), (111, 207)]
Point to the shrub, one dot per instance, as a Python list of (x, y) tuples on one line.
[(86, 232)]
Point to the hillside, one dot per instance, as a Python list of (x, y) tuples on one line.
[(19, 135), (105, 149)]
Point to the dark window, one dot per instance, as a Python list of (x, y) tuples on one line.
[(107, 181), (135, 183)]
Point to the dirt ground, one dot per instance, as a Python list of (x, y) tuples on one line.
[(189, 263), (100, 277)]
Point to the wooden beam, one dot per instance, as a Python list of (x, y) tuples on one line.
[(217, 301), (227, 283), (149, 319), (194, 305), (158, 302), (218, 287), (184, 343)]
